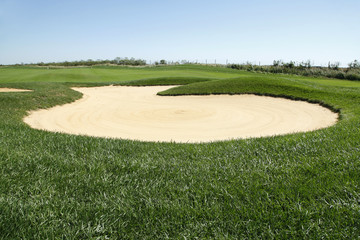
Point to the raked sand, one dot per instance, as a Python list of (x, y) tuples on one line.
[(137, 113)]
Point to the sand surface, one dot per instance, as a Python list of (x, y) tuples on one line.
[(14, 90), (137, 113)]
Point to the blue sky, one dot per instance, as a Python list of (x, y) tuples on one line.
[(240, 31)]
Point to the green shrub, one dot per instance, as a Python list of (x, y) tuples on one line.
[(351, 76)]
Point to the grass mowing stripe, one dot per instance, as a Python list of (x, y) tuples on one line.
[(303, 185)]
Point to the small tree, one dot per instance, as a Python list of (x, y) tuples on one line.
[(162, 61), (354, 64), (334, 66), (277, 63), (304, 65), (290, 64), (117, 60)]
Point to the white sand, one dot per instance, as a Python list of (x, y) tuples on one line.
[(13, 90), (138, 113)]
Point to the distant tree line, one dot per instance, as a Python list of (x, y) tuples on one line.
[(90, 62), (333, 70), (131, 61)]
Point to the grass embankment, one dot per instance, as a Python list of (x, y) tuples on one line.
[(53, 185)]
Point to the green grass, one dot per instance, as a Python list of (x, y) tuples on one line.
[(335, 82), (58, 186), (107, 74)]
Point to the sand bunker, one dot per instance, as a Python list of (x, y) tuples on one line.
[(137, 113), (14, 90)]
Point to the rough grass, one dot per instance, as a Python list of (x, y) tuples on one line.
[(297, 186)]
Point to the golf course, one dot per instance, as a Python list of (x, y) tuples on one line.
[(291, 177)]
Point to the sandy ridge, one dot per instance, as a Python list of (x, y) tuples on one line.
[(14, 90), (137, 113)]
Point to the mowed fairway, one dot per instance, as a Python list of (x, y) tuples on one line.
[(54, 185)]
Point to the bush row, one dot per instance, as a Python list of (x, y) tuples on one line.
[(90, 62), (305, 69)]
